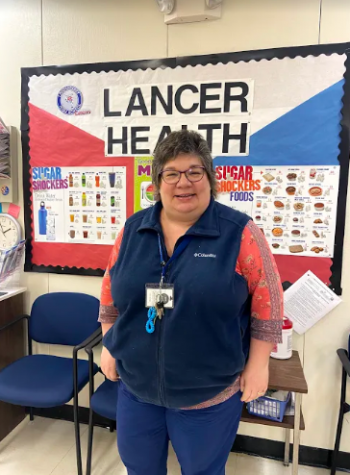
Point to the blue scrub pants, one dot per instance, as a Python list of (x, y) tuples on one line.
[(202, 439)]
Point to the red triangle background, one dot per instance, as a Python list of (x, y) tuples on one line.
[(55, 142)]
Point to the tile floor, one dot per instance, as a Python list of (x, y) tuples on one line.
[(46, 447)]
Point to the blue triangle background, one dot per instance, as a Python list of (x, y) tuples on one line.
[(306, 135)]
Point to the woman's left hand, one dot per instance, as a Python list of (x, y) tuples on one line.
[(254, 380)]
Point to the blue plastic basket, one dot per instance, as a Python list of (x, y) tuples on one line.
[(268, 408)]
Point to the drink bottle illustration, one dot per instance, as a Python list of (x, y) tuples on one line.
[(70, 180), (51, 226), (83, 180), (98, 199), (112, 200), (118, 183), (83, 199), (97, 181), (42, 218), (111, 176)]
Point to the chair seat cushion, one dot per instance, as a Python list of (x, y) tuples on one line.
[(41, 380), (104, 400)]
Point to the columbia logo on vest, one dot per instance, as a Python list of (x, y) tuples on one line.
[(199, 254)]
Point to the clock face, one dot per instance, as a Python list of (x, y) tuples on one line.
[(9, 232)]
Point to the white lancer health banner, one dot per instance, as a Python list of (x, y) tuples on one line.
[(141, 116)]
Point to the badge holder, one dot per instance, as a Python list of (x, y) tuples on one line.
[(159, 294), (157, 299)]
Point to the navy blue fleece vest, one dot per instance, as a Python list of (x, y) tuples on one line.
[(200, 346)]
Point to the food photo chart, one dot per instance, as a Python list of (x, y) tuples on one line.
[(295, 207)]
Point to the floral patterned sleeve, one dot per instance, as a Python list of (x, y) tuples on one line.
[(257, 265), (108, 313)]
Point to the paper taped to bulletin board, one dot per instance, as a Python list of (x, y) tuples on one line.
[(278, 144), (295, 207), (87, 205)]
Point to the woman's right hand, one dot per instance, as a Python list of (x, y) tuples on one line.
[(108, 365)]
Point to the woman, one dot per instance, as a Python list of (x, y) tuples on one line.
[(190, 291)]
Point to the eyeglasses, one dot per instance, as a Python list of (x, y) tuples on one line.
[(193, 174)]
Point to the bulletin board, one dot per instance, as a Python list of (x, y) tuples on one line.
[(275, 122)]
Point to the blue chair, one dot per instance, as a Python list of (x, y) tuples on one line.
[(103, 401), (41, 381), (344, 406)]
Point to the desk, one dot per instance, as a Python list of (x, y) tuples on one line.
[(12, 347), (286, 375)]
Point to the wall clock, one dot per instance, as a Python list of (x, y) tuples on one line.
[(10, 231)]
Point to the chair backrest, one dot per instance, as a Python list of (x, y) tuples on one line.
[(63, 318)]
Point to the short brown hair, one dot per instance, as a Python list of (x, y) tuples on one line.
[(183, 142)]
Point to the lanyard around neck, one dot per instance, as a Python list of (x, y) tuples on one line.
[(177, 252)]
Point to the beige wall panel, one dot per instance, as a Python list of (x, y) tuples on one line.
[(247, 25), (86, 31), (335, 22)]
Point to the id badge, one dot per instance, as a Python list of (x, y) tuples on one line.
[(156, 294)]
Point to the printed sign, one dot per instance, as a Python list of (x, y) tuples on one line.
[(78, 205)]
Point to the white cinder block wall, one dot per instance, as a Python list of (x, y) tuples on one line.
[(44, 32)]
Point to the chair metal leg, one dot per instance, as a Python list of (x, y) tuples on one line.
[(76, 415), (342, 411), (77, 438), (90, 440), (287, 449), (91, 412)]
